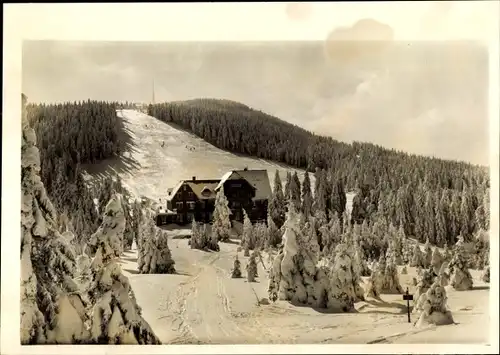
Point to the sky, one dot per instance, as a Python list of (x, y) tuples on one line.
[(369, 78)]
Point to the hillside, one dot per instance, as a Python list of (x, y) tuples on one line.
[(148, 169)]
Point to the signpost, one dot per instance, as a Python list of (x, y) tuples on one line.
[(407, 297)]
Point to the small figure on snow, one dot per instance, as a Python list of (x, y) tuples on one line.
[(251, 269), (236, 272)]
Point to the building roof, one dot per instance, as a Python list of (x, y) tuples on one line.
[(199, 185), (173, 191), (258, 179)]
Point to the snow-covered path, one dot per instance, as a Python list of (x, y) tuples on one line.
[(203, 305)]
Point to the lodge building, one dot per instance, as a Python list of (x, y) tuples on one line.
[(244, 189)]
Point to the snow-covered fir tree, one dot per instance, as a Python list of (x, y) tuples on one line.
[(221, 225), (398, 241), (417, 259), (196, 241), (248, 240), (390, 279), (427, 254), (424, 282), (325, 233), (146, 247), (446, 253), (115, 315), (293, 268), (434, 308), (443, 275), (202, 237), (83, 273), (157, 258), (50, 303), (460, 277), (359, 261), (112, 214), (210, 237), (307, 199), (128, 234), (436, 261), (236, 271), (252, 268), (344, 289), (273, 235), (287, 190), (260, 232), (277, 204), (137, 221), (372, 289)]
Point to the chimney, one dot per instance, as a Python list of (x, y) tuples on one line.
[(194, 178), (245, 169)]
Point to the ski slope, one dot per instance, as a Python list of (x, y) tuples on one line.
[(201, 304), (148, 169)]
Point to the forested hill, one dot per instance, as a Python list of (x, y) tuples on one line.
[(431, 198), (238, 128)]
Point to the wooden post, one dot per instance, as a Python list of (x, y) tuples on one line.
[(407, 297)]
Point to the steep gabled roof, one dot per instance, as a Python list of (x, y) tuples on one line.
[(258, 179), (174, 190), (197, 187)]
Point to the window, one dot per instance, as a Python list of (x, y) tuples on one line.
[(189, 217), (190, 194), (179, 218), (191, 205), (179, 205), (237, 185), (184, 187)]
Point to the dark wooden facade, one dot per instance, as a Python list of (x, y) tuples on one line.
[(196, 199), (189, 204), (240, 195)]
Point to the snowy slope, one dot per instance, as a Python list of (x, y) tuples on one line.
[(202, 304), (148, 169)]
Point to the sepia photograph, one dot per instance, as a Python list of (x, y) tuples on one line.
[(329, 189)]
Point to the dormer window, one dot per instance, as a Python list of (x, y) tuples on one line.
[(206, 191)]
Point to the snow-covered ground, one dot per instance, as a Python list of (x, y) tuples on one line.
[(203, 305), (148, 169)]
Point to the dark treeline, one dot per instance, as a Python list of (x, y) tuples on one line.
[(70, 135), (429, 197)]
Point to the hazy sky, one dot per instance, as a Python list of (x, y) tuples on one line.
[(360, 84)]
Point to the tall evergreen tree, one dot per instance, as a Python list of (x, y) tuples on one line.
[(277, 204), (307, 199)]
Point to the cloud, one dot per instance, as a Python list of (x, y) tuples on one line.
[(359, 43)]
